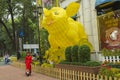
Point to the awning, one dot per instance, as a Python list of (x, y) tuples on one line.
[(105, 6), (99, 2)]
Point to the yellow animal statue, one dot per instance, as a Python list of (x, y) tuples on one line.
[(63, 31)]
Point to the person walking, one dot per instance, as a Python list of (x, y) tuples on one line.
[(6, 56), (28, 61)]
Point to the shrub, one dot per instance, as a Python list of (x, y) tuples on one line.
[(65, 62), (92, 63), (114, 65), (68, 54), (77, 63), (107, 71), (117, 75), (89, 63), (46, 65), (74, 53), (83, 53), (23, 54), (114, 52)]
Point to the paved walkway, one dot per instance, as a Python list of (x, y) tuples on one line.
[(8, 72)]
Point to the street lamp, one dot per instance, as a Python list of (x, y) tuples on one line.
[(38, 13)]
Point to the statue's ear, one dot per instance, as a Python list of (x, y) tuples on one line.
[(45, 11), (72, 9)]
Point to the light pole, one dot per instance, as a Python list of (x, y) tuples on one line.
[(38, 14)]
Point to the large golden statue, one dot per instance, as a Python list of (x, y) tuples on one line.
[(63, 31)]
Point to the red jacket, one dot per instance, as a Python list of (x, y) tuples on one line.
[(28, 61)]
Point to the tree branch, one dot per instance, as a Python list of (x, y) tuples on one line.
[(8, 33)]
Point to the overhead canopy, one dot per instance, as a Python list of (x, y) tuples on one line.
[(105, 6), (99, 2)]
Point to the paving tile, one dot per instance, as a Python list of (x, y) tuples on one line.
[(8, 72)]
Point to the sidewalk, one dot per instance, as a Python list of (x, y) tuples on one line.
[(8, 72)]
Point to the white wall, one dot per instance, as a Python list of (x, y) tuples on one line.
[(89, 20), (96, 57)]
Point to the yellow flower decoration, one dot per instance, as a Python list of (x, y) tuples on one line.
[(63, 31)]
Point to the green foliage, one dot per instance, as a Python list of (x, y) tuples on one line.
[(2, 7), (22, 18), (107, 71), (4, 40), (114, 52), (83, 53), (65, 62), (92, 63), (46, 65), (77, 53), (68, 54), (114, 65), (117, 75), (74, 53), (1, 58), (44, 43), (88, 63), (35, 62), (23, 54)]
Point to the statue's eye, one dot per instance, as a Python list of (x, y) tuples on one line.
[(56, 13)]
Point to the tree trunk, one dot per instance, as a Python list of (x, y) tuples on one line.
[(2, 45), (8, 33), (13, 25)]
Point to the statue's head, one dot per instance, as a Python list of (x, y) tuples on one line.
[(57, 15)]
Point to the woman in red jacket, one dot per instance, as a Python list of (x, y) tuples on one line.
[(28, 61)]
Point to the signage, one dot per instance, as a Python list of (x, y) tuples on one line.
[(30, 46), (109, 27)]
